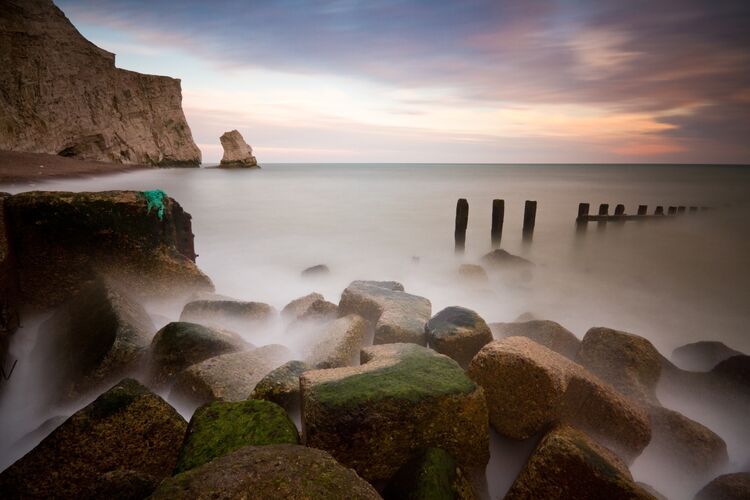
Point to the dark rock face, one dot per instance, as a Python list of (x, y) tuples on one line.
[(403, 398), (281, 385), (431, 475), (702, 356), (127, 427), (395, 315), (458, 333), (550, 334), (735, 370), (273, 471), (727, 487), (220, 427), (123, 484), (63, 95), (319, 270), (96, 338), (181, 344), (231, 314), (9, 316), (501, 259), (63, 240), (568, 464)]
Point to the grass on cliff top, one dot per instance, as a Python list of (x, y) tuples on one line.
[(417, 375)]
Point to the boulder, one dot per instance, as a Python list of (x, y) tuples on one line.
[(181, 344), (123, 484), (221, 427), (528, 387), (9, 306), (473, 273), (551, 335), (735, 371), (702, 356), (319, 270), (281, 385), (61, 241), (340, 343), (231, 314), (229, 377), (403, 398), (431, 475), (95, 339), (237, 153), (629, 362), (127, 427), (501, 259), (568, 464), (458, 333), (75, 102), (312, 306), (285, 471), (395, 315), (727, 487)]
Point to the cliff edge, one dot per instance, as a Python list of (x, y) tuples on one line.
[(61, 94)]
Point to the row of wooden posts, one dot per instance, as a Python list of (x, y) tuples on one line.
[(498, 216), (621, 216)]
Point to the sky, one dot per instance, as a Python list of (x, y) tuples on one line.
[(465, 81)]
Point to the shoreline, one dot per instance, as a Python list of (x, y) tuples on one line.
[(20, 167)]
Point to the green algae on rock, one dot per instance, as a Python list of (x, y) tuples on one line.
[(432, 475), (222, 427), (402, 399), (127, 427), (287, 471)]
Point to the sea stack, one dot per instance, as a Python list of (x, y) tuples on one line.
[(237, 153)]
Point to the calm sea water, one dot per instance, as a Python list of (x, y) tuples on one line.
[(673, 281)]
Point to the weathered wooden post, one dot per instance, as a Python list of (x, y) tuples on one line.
[(671, 210), (643, 209), (583, 212), (529, 219), (659, 210), (498, 214), (462, 221), (620, 209), (680, 210)]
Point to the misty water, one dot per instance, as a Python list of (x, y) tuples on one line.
[(672, 281)]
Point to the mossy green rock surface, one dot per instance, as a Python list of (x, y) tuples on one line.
[(433, 475), (403, 399), (127, 427), (281, 385), (271, 472), (222, 427), (568, 464)]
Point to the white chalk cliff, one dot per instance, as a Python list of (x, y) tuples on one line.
[(237, 153), (61, 94)]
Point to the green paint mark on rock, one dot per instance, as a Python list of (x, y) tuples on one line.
[(155, 199)]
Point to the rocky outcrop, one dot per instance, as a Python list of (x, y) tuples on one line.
[(702, 356), (458, 333), (568, 464), (550, 334), (432, 474), (127, 427), (237, 153), (221, 427), (403, 398), (310, 307), (727, 487), (63, 95), (340, 343), (284, 471), (232, 314), (9, 315), (61, 241), (528, 387), (123, 484), (395, 315)]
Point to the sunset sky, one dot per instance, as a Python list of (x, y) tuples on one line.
[(432, 81)]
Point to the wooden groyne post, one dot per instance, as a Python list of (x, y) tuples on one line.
[(642, 209), (529, 219), (659, 210), (462, 221), (498, 214)]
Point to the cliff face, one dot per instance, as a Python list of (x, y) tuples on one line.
[(61, 94)]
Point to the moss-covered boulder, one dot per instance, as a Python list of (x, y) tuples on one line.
[(230, 314), (127, 427), (340, 343), (123, 484), (529, 387), (734, 486), (95, 339), (395, 315), (229, 377), (269, 472), (403, 399), (629, 362), (458, 333), (702, 356), (221, 427), (568, 464), (550, 334), (432, 475), (181, 344), (62, 240), (281, 385)]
